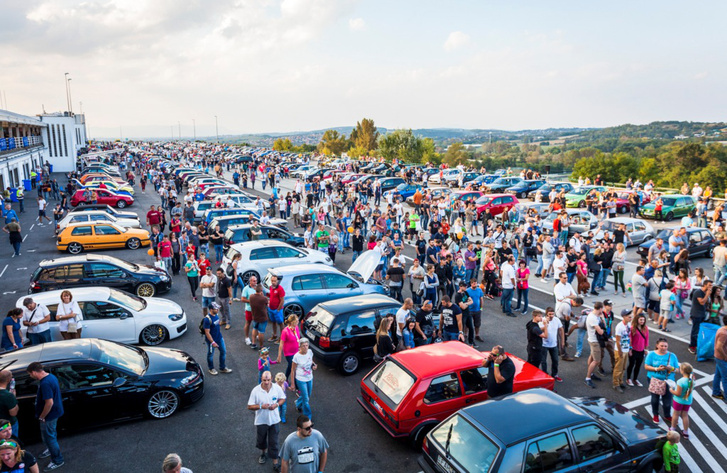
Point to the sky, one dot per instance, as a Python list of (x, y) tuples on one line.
[(143, 67)]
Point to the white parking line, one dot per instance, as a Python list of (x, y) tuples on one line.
[(6, 267), (646, 400), (715, 417), (722, 405), (699, 446)]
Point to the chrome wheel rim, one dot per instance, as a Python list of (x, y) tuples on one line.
[(163, 404), (153, 335), (134, 243), (75, 248), (350, 364), (145, 290)]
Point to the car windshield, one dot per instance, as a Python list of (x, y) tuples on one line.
[(126, 265), (127, 300), (401, 186), (392, 380), (464, 444), (581, 191), (120, 356), (610, 226), (321, 320), (668, 201), (484, 200)]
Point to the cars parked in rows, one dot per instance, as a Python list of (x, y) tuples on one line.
[(538, 431), (118, 316), (502, 183), (241, 233), (228, 221), (464, 178), (411, 391), (481, 180), (403, 191), (577, 197), (105, 208), (701, 242), (99, 270), (581, 221), (261, 255), (544, 190), (97, 235), (90, 176), (342, 332), (103, 196), (464, 196), (104, 382), (95, 216), (307, 285), (673, 206), (638, 230), (496, 203), (522, 189)]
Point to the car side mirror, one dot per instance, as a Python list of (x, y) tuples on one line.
[(118, 382)]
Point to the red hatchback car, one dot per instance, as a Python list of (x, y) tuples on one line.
[(497, 203), (413, 390), (104, 196)]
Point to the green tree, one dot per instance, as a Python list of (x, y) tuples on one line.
[(282, 144), (456, 154), (429, 152), (365, 135), (402, 145), (333, 143)]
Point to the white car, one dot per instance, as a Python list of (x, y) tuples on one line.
[(117, 315), (95, 216), (435, 179), (259, 256)]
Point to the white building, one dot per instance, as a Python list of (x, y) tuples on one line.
[(22, 147), (65, 135)]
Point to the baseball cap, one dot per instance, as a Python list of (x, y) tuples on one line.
[(214, 305), (625, 312), (608, 302)]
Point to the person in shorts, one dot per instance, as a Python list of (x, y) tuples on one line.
[(248, 291), (259, 309)]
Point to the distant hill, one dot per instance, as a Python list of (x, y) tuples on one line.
[(668, 130)]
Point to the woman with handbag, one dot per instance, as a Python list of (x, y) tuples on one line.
[(639, 344), (69, 316), (661, 365), (431, 283), (619, 261), (682, 288)]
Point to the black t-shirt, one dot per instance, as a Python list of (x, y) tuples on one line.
[(572, 258), (385, 346), (223, 286), (698, 310), (396, 275), (449, 318), (534, 333), (424, 319), (507, 371), (421, 246), (619, 236), (217, 238), (357, 242), (462, 297), (27, 460)]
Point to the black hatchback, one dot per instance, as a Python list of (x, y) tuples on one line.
[(99, 270), (342, 331), (241, 234)]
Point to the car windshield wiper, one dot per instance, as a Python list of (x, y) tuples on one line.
[(449, 437)]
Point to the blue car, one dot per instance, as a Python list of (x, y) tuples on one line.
[(403, 190)]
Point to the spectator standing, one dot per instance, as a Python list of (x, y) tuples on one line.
[(302, 376), (523, 287), (8, 403), (501, 374), (224, 296), (275, 306), (478, 300), (265, 400), (593, 329), (48, 409), (208, 285), (259, 309), (289, 338), (682, 393), (553, 343), (536, 334), (213, 337), (305, 450), (720, 357), (622, 349), (11, 337), (16, 239), (450, 321), (661, 365), (508, 278), (700, 305)]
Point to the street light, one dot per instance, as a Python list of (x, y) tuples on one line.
[(217, 131), (68, 99)]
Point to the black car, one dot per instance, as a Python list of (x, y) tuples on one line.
[(104, 382), (241, 233), (538, 430), (342, 331), (83, 207), (389, 183), (547, 187), (99, 270), (501, 183), (524, 188), (701, 242)]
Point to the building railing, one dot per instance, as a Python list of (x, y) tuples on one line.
[(10, 144)]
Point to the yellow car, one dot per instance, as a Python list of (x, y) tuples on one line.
[(77, 237), (110, 185)]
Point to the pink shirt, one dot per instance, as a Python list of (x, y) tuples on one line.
[(639, 342), (289, 338)]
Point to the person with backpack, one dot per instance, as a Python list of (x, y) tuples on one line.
[(210, 328), (682, 391)]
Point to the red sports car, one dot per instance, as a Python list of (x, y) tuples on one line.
[(497, 203), (413, 390), (103, 196)]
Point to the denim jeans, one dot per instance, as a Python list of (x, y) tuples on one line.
[(356, 254), (469, 274), (468, 324), (449, 336), (38, 338), (16, 247), (720, 377), (211, 354), (303, 402), (579, 343), (539, 269), (553, 352), (522, 294), (218, 252), (720, 272), (603, 277), (49, 435), (506, 300)]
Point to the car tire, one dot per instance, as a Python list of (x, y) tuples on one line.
[(710, 254), (293, 309), (146, 289), (133, 243), (416, 437), (669, 216), (121, 204), (162, 404), (153, 335), (582, 204), (623, 209), (349, 363), (248, 274), (74, 248)]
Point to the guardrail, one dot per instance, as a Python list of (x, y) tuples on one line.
[(19, 142)]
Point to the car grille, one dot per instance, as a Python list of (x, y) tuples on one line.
[(197, 394), (182, 328)]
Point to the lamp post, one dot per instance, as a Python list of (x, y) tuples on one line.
[(217, 131), (68, 99), (194, 129)]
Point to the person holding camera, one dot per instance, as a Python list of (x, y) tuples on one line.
[(501, 372)]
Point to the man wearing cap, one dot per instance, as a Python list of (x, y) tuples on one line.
[(622, 350), (265, 399), (213, 337), (36, 317)]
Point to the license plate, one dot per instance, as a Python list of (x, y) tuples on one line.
[(376, 405), (311, 336), (444, 465)]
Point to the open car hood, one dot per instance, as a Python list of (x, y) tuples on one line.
[(365, 265)]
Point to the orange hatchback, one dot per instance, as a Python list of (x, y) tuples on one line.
[(412, 391)]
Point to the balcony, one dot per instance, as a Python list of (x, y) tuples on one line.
[(12, 145)]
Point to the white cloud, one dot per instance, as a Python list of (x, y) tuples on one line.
[(357, 24), (456, 40)]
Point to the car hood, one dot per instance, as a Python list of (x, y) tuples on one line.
[(319, 257), (631, 426), (161, 307), (127, 222), (365, 264), (164, 361)]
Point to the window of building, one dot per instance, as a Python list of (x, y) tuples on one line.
[(65, 144), (55, 144)]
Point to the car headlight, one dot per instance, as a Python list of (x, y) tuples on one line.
[(190, 379), (175, 317), (164, 277)]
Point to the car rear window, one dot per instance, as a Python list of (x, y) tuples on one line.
[(464, 444), (320, 320), (392, 381)]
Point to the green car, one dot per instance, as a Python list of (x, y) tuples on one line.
[(577, 197), (674, 205)]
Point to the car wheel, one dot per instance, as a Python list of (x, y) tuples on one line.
[(162, 404), (146, 290), (121, 204), (582, 204), (669, 216), (153, 335), (623, 209), (293, 309), (133, 243), (349, 363), (248, 274), (416, 437), (710, 253), (75, 248)]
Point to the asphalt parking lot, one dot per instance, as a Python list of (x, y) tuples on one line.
[(217, 433)]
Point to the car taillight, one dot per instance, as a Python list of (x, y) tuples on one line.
[(324, 342), (35, 287), (425, 446)]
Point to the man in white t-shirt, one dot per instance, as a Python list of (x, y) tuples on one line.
[(265, 399), (507, 277), (401, 315), (208, 283), (36, 317), (621, 349), (563, 290), (553, 343), (592, 328)]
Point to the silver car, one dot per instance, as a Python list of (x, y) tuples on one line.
[(637, 229)]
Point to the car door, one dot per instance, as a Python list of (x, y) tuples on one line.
[(639, 234), (310, 290), (339, 286), (89, 397), (359, 333), (103, 319), (105, 197), (683, 207), (108, 236), (83, 234), (696, 245), (474, 384), (105, 274), (707, 242), (443, 396), (70, 275), (496, 206), (596, 450), (552, 452), (264, 258)]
